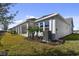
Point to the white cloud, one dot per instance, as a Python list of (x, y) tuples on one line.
[(20, 21), (30, 17), (15, 23)]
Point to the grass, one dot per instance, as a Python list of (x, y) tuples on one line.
[(72, 37), (18, 45), (35, 48)]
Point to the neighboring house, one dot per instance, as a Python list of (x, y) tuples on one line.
[(76, 31), (55, 23)]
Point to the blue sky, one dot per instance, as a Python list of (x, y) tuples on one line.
[(29, 10)]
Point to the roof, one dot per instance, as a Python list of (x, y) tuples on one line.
[(33, 19), (67, 20), (46, 16)]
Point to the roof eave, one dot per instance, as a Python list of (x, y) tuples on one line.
[(46, 17)]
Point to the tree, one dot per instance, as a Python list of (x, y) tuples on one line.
[(31, 32), (6, 17), (37, 29)]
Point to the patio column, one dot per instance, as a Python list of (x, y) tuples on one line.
[(27, 29), (43, 25), (16, 29), (50, 25), (39, 25), (53, 26), (20, 29), (54, 29)]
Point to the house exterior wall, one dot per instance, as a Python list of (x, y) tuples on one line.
[(28, 24), (20, 28), (62, 28), (39, 25), (70, 22), (52, 28), (58, 27)]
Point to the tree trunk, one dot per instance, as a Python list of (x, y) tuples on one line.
[(37, 35), (32, 35)]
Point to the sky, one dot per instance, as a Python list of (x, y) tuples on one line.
[(31, 10)]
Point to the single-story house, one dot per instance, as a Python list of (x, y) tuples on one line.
[(76, 31), (55, 23)]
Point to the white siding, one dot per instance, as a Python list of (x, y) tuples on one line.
[(52, 26), (62, 28), (43, 25), (70, 22)]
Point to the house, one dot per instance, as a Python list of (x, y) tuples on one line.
[(76, 31), (54, 24)]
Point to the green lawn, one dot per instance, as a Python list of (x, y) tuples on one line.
[(72, 37), (18, 45)]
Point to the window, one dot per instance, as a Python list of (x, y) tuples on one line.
[(46, 23), (41, 24), (24, 29), (36, 24)]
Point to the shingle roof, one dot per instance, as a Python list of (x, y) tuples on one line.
[(24, 22), (46, 16)]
